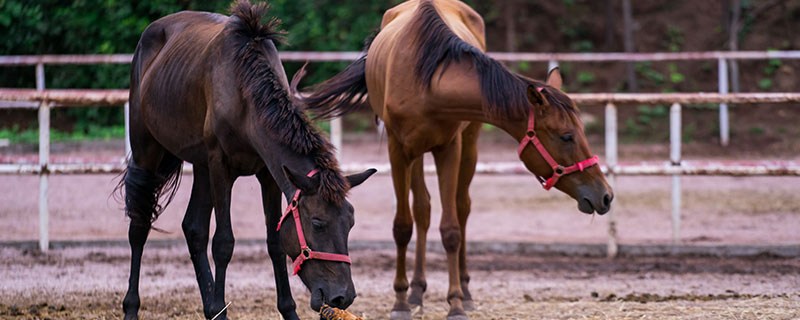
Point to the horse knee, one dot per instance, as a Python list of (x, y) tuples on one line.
[(451, 237), (402, 232), (222, 249)]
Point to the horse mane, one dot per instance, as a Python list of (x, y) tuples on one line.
[(262, 89), (556, 98), (504, 93)]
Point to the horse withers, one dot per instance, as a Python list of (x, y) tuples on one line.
[(425, 74), (210, 90)]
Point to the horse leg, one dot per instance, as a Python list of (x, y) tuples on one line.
[(421, 207), (447, 158), (469, 157), (144, 178), (402, 228), (223, 241), (196, 229), (271, 199)]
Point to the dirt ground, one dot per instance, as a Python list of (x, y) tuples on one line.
[(89, 280), (89, 283)]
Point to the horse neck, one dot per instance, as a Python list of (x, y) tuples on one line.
[(276, 155), (457, 96)]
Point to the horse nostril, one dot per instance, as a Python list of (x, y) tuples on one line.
[(338, 302), (607, 200)]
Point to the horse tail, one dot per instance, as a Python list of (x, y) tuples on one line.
[(344, 93), (339, 95), (142, 189)]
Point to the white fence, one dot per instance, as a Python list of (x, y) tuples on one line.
[(44, 100)]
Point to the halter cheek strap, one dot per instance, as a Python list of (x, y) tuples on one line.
[(558, 170), (305, 252)]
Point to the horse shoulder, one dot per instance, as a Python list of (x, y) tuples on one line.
[(474, 23)]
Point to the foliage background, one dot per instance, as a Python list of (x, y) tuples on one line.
[(114, 26)]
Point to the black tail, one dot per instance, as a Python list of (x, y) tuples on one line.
[(339, 95), (344, 93), (143, 189)]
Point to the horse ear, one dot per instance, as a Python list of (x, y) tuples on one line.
[(535, 96), (554, 78), (358, 178), (300, 181)]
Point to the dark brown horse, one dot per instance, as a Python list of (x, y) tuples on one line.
[(428, 79), (210, 90)]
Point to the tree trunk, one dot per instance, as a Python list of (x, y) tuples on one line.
[(628, 35), (609, 44), (734, 43)]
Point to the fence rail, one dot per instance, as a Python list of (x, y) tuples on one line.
[(82, 97), (44, 100), (314, 56)]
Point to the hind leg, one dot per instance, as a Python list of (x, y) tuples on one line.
[(469, 157), (421, 207), (196, 229), (271, 198), (145, 176)]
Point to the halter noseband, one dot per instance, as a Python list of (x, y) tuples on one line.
[(305, 252), (558, 170)]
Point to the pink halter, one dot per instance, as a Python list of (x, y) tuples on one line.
[(558, 170), (305, 252)]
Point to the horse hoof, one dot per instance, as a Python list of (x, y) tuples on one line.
[(458, 317), (400, 315), (468, 305)]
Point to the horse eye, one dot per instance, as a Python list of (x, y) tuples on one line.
[(567, 137), (318, 224)]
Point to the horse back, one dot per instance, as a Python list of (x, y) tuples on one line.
[(392, 57), (169, 80)]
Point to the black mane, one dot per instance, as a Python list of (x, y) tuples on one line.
[(262, 89), (504, 93)]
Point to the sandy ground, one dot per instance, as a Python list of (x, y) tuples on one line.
[(89, 283)]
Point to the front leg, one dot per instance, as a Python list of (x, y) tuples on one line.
[(421, 207), (447, 158), (271, 199), (222, 244), (402, 228)]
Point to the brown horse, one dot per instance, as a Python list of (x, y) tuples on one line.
[(428, 79), (210, 90)]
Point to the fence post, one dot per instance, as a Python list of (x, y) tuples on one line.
[(127, 111), (336, 136), (724, 134), (552, 64), (611, 162), (44, 159), (675, 159)]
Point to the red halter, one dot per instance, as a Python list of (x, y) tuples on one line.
[(305, 252), (558, 170)]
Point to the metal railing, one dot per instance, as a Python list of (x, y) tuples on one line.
[(44, 100)]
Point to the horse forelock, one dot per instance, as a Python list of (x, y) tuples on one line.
[(263, 91), (504, 94)]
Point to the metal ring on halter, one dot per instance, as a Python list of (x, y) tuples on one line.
[(306, 252), (530, 133), (559, 170)]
